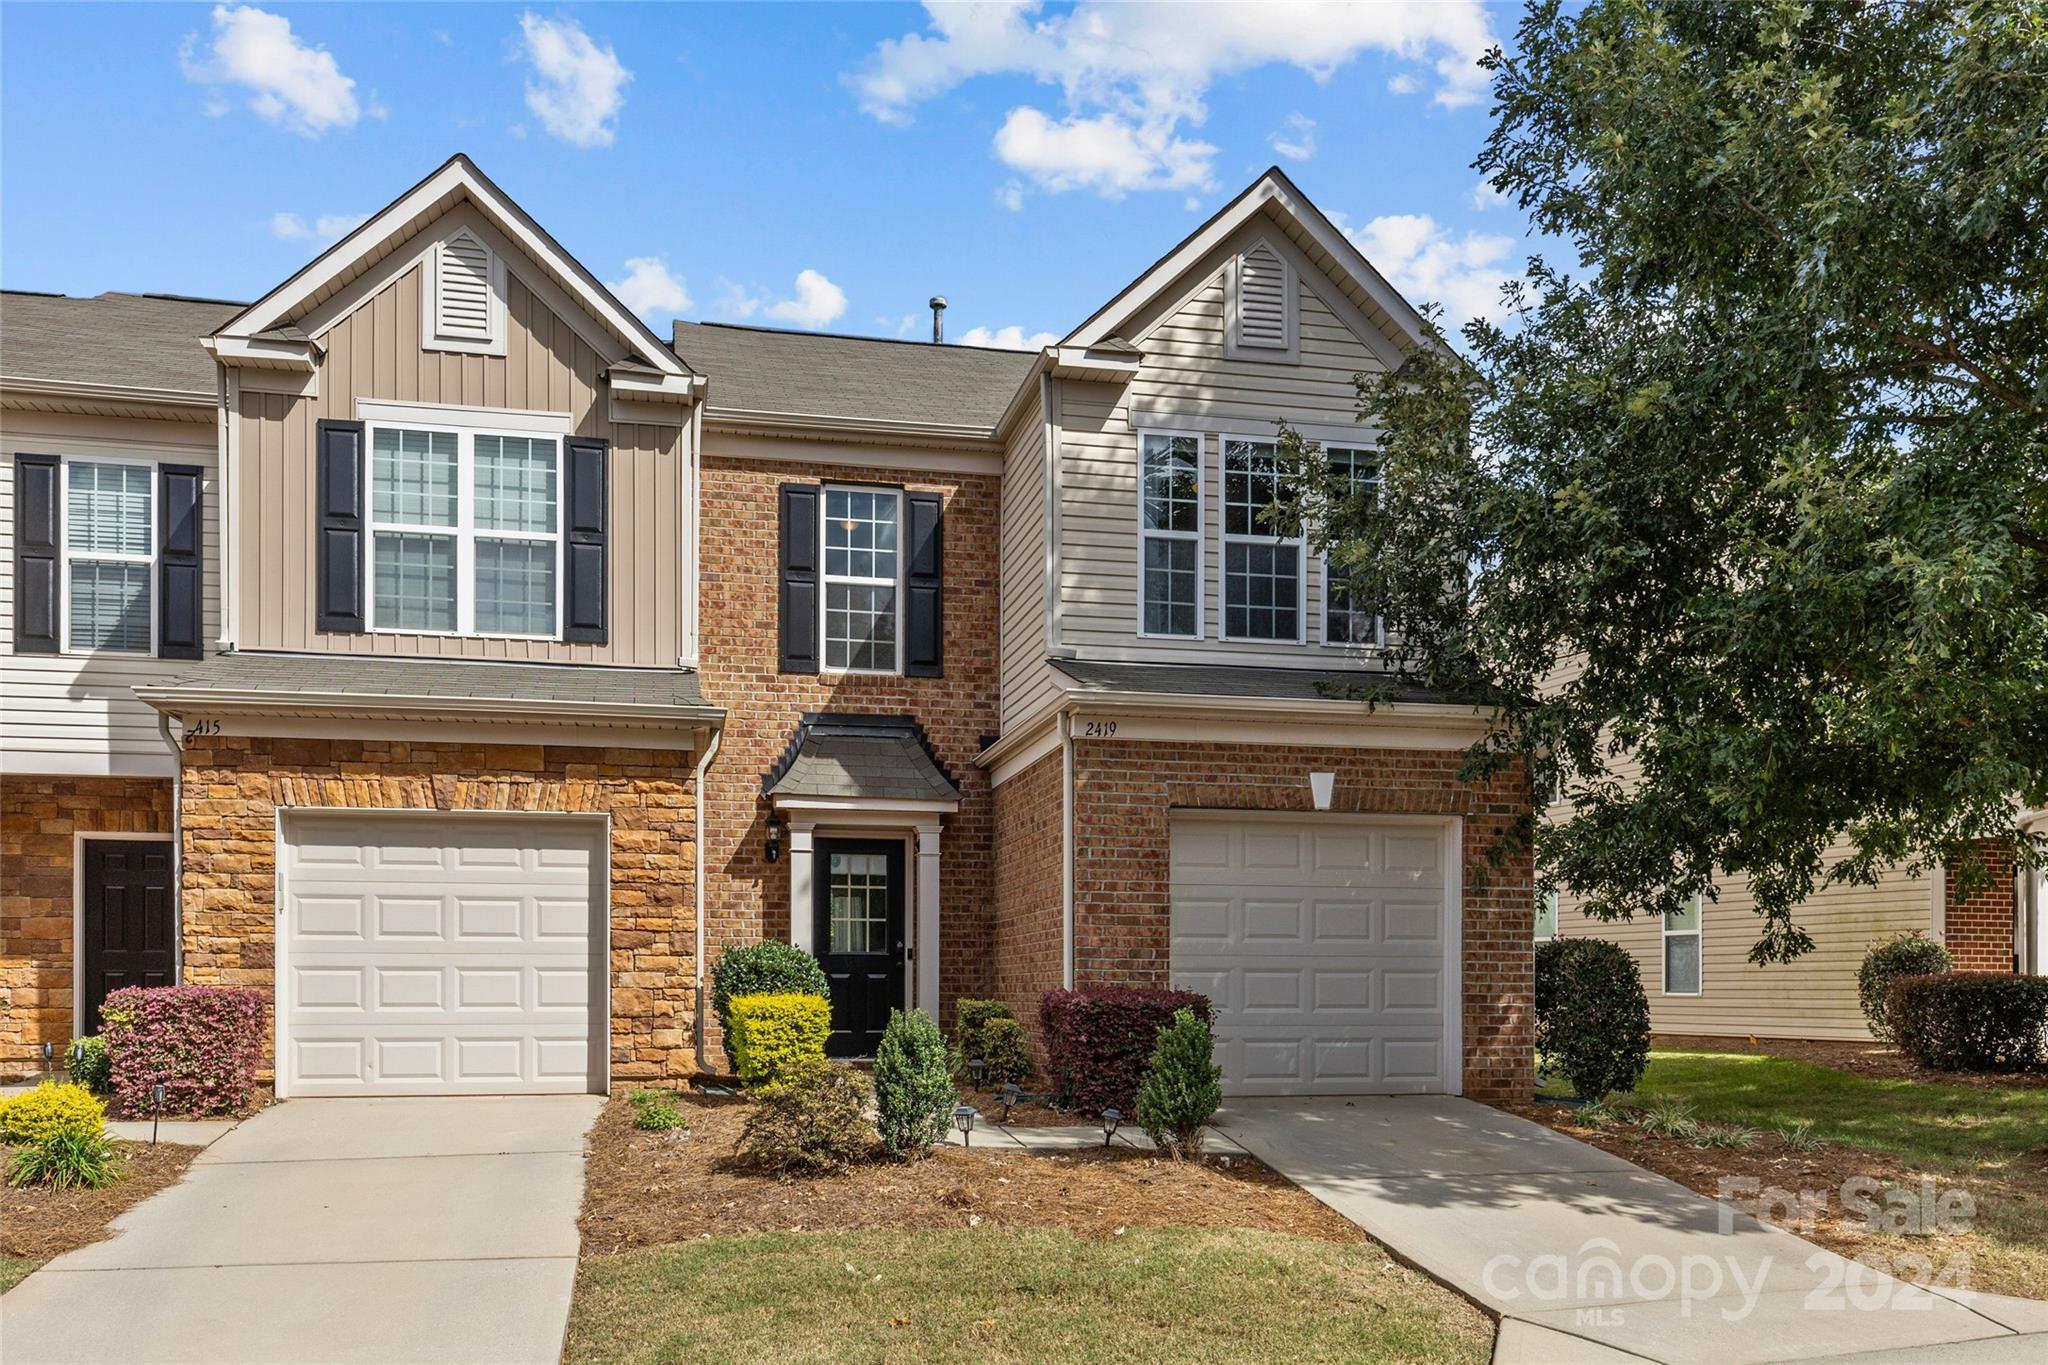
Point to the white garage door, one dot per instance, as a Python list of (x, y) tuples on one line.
[(437, 954), (1325, 943)]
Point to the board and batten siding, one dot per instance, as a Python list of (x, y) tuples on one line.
[(375, 353), (75, 714), (1188, 383), (1026, 679)]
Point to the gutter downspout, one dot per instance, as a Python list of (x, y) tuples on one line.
[(1067, 849), (163, 727), (697, 943)]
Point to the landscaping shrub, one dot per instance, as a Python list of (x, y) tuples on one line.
[(1098, 1042), (68, 1160), (1183, 1089), (1006, 1048), (657, 1111), (1592, 1018), (769, 1034), (971, 1020), (913, 1084), (1910, 954), (88, 1062), (769, 968), (203, 1043), (1971, 1021), (811, 1120), (51, 1110)]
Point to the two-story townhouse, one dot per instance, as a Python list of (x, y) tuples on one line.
[(551, 657)]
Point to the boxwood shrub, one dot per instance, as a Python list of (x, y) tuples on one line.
[(989, 1029), (1889, 959), (768, 968), (1099, 1042), (1592, 1018), (913, 1084), (772, 1035), (1971, 1021)]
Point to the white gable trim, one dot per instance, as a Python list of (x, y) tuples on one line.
[(458, 177)]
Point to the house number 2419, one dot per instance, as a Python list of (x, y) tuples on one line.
[(1098, 729)]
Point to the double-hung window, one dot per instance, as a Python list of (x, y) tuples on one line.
[(1170, 534), (1682, 950), (863, 567), (1347, 619), (109, 556), (1262, 588), (465, 532), (1546, 916)]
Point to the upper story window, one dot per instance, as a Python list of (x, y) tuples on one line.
[(464, 532), (1262, 578), (1348, 620), (1170, 534), (863, 568), (109, 556)]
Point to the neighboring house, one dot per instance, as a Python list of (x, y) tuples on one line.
[(512, 661)]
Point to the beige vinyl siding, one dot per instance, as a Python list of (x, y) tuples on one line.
[(1188, 383), (1025, 677), (374, 352), (76, 714)]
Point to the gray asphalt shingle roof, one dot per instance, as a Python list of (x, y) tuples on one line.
[(873, 758), (328, 675), (144, 341), (756, 369), (1237, 680)]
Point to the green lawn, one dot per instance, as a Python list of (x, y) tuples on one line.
[(1017, 1294), (13, 1271)]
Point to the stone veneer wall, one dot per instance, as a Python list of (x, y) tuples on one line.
[(1978, 927), (235, 786), (38, 817), (1028, 909), (746, 896), (1125, 792)]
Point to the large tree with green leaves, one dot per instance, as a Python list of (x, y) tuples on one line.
[(1752, 499)]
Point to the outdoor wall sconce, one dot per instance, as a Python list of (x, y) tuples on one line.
[(1112, 1119), (963, 1119), (774, 849), (1321, 787)]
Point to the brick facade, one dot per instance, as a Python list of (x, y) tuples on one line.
[(1028, 878), (746, 896), (39, 817), (1977, 927), (235, 786), (1125, 792)]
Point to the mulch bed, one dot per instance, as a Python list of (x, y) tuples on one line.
[(1872, 1060), (38, 1223), (648, 1189), (1028, 1115)]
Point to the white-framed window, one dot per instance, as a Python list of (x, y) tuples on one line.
[(1346, 620), (863, 598), (109, 575), (1262, 573), (465, 531), (1170, 534), (1682, 950), (1546, 916)]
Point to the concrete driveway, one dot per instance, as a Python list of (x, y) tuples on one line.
[(1588, 1258), (378, 1230)]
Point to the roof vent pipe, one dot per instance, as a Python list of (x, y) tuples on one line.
[(938, 319)]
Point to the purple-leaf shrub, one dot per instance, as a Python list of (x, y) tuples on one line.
[(1099, 1042), (204, 1043)]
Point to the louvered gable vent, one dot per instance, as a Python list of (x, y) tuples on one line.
[(1262, 299), (462, 292)]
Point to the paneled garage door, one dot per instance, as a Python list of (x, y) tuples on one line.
[(1326, 943), (442, 954)]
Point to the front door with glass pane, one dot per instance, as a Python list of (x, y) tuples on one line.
[(860, 937)]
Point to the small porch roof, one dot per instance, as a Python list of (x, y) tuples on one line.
[(857, 760)]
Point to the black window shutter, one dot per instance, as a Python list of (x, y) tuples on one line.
[(338, 527), (180, 574), (38, 534), (924, 617), (585, 516), (798, 601)]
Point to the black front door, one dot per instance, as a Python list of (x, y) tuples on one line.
[(127, 920), (860, 937)]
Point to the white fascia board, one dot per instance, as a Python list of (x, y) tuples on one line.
[(670, 388), (1078, 362), (26, 386), (213, 700), (848, 428), (861, 805), (264, 353)]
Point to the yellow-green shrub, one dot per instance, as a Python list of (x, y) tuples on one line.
[(49, 1110), (769, 1035)]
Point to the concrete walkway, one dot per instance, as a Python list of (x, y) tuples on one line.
[(380, 1230), (1588, 1258)]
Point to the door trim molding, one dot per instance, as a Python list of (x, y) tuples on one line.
[(79, 839)]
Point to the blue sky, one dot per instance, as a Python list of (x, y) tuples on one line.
[(826, 166)]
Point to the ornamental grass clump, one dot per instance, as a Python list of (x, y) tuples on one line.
[(913, 1084), (1183, 1089), (68, 1160)]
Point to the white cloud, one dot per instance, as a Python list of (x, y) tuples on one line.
[(1429, 265), (818, 302), (1484, 196), (1134, 77), (288, 83), (1006, 338), (735, 301), (649, 289), (1297, 141), (582, 86), (1403, 84), (1011, 195), (327, 227)]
